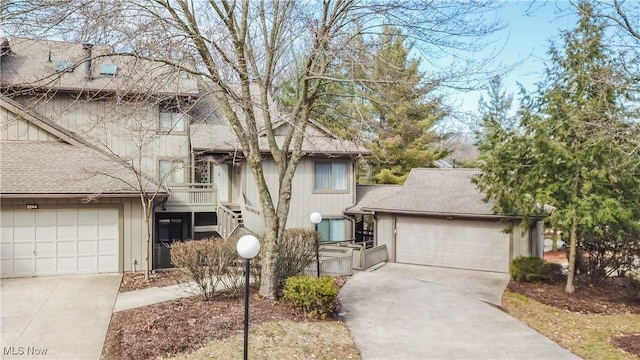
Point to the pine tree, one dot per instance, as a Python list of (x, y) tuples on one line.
[(562, 152)]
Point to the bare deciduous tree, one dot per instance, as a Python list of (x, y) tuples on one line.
[(241, 52)]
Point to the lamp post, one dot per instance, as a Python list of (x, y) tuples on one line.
[(316, 218), (248, 247)]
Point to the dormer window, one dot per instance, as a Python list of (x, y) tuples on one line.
[(172, 117)]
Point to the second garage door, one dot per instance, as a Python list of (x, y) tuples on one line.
[(466, 244), (59, 241)]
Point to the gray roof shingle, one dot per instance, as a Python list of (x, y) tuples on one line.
[(52, 167), (33, 63), (370, 195), (437, 191)]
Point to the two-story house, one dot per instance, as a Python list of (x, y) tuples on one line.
[(150, 119)]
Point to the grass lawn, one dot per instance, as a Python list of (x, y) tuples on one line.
[(587, 335), (284, 340)]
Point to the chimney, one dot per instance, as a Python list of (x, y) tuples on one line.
[(87, 61), (5, 49)]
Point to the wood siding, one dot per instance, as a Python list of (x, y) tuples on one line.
[(13, 127), (303, 199), (132, 227), (130, 130)]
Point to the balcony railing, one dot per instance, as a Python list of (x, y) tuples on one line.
[(192, 194)]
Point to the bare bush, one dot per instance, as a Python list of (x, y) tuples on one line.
[(296, 251), (209, 263)]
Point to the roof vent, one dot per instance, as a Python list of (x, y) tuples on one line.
[(108, 69), (5, 49), (64, 65)]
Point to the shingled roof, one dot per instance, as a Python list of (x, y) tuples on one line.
[(41, 64), (437, 192), (66, 166), (370, 195)]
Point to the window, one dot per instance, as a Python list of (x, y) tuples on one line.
[(331, 230), (170, 230), (171, 171), (171, 122), (172, 117), (330, 176)]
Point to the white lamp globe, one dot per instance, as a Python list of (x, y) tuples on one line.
[(248, 246), (315, 217)]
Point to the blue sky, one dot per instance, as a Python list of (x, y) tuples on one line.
[(530, 26)]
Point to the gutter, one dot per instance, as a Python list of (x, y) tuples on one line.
[(75, 196), (441, 214)]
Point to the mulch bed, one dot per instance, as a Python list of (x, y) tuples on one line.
[(178, 326), (628, 343), (615, 296), (160, 278)]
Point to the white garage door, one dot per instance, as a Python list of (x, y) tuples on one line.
[(63, 241), (466, 244)]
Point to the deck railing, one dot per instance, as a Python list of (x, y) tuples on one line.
[(375, 255), (228, 221), (333, 266), (192, 194)]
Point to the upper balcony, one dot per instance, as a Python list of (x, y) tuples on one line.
[(192, 197)]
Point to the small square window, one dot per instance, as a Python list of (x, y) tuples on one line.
[(330, 176), (171, 171)]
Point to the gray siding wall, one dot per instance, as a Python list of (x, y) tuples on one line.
[(133, 230), (14, 128), (383, 233), (304, 200), (129, 130)]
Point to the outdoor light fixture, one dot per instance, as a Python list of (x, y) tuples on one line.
[(316, 218), (248, 247)]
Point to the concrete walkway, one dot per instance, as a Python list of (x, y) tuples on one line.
[(138, 298), (56, 317), (417, 312)]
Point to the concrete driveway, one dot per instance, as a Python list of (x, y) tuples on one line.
[(418, 312), (57, 317)]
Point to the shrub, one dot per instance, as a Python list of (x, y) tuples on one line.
[(209, 263), (316, 296), (530, 269), (296, 251), (608, 250)]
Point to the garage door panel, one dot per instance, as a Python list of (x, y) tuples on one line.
[(46, 217), (87, 263), (478, 245), (87, 231), (59, 241), (45, 266), (87, 247), (6, 234), (45, 233), (106, 231), (66, 232)]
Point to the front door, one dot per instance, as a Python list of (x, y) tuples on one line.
[(220, 179)]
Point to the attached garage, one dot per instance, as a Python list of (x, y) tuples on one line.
[(59, 241), (439, 218), (467, 244)]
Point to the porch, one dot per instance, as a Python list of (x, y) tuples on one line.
[(191, 197)]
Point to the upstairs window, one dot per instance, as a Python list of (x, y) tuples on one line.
[(172, 117), (171, 171), (330, 176)]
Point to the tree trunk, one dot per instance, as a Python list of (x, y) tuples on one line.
[(268, 261), (573, 239), (147, 220)]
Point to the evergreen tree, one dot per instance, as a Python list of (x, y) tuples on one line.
[(563, 153)]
